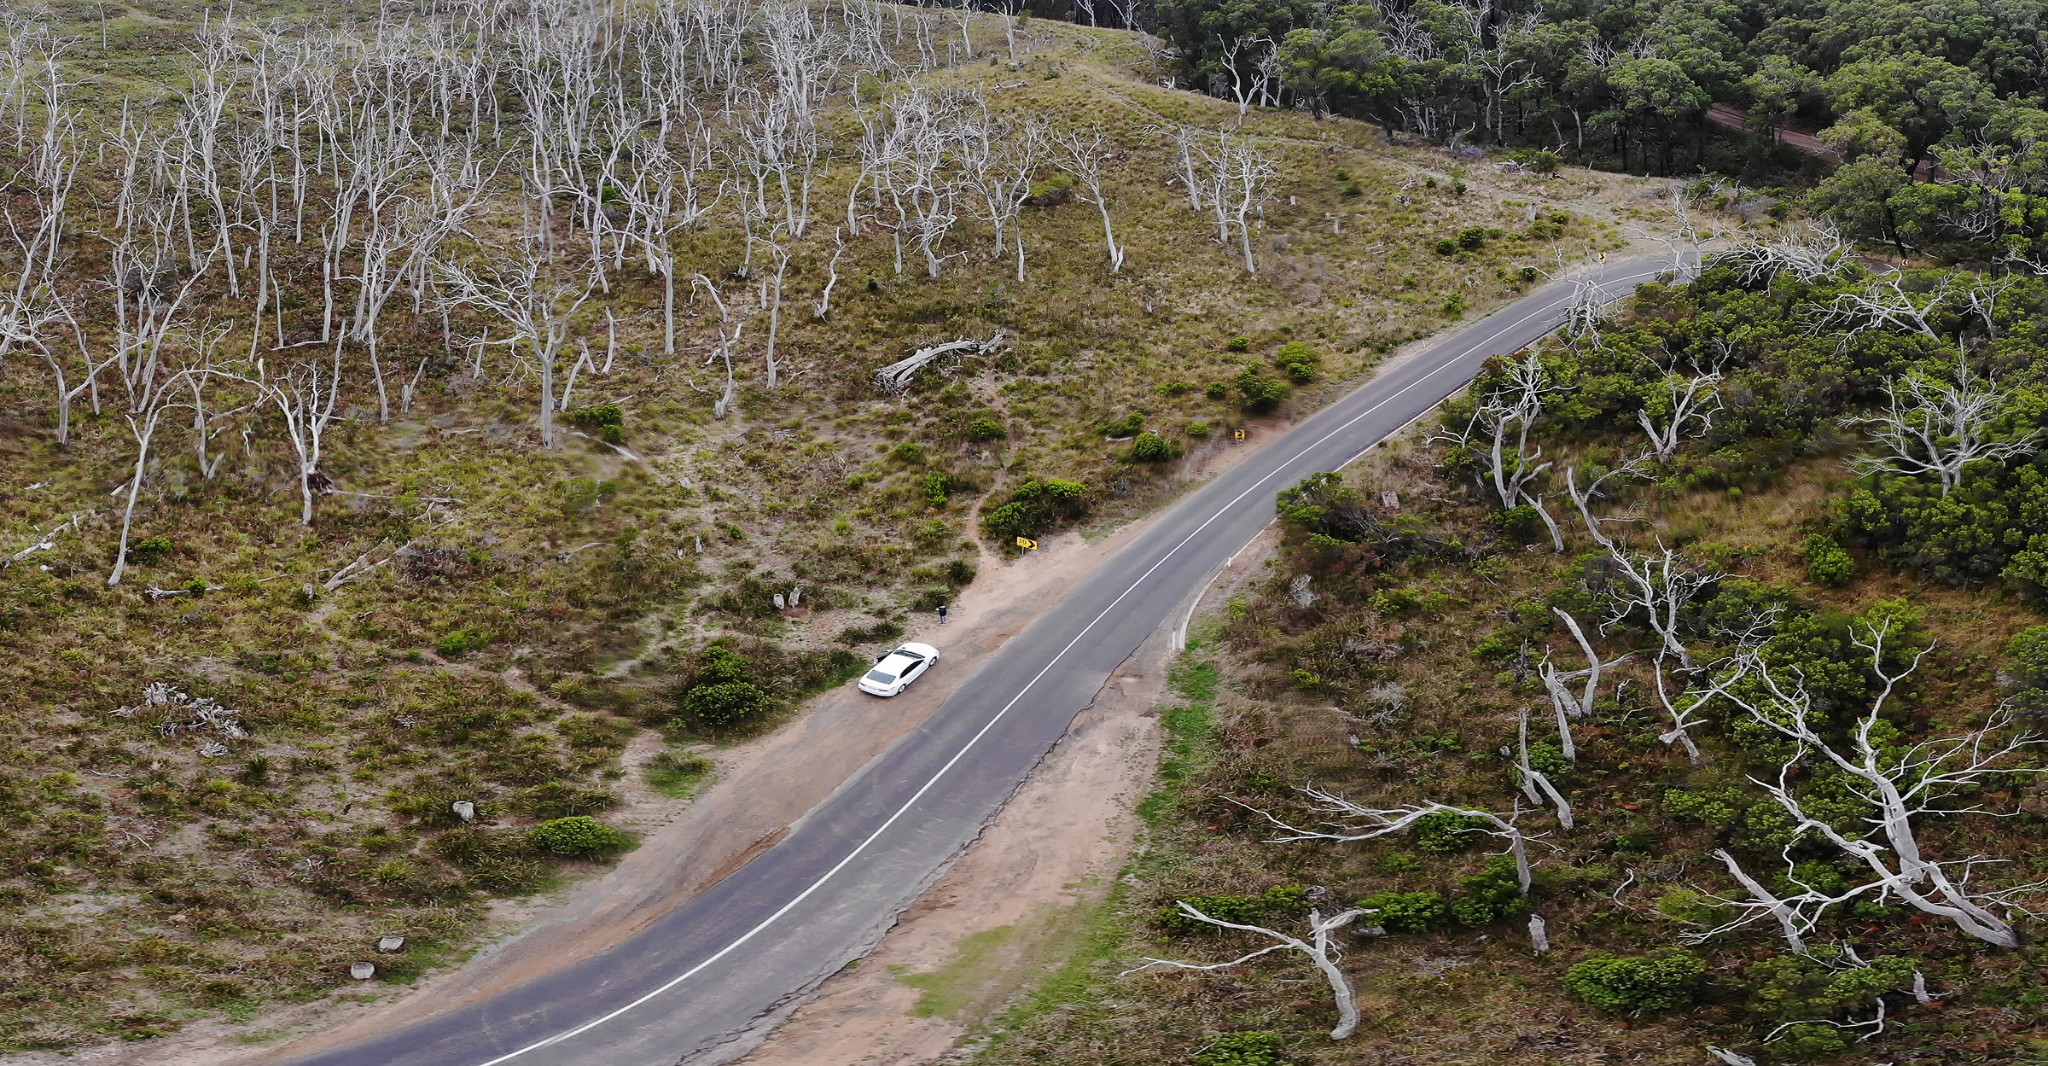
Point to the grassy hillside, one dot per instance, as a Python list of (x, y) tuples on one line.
[(473, 617)]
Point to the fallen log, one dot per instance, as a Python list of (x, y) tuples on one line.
[(895, 378)]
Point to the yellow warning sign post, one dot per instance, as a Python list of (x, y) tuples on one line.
[(1239, 435), (1027, 544)]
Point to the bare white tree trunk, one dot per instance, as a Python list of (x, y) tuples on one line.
[(1320, 947)]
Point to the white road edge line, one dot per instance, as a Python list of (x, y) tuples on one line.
[(976, 738)]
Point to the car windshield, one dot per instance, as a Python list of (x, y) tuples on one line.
[(880, 677)]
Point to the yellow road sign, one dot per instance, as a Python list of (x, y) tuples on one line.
[(1027, 544), (1239, 435)]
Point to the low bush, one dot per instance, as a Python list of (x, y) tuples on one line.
[(1150, 448), (678, 773), (724, 705), (985, 429), (1035, 506), (1647, 984), (1278, 902), (1259, 392), (1493, 895), (579, 837), (1127, 426), (1448, 831), (1826, 561), (1255, 1047), (1298, 361), (1407, 912)]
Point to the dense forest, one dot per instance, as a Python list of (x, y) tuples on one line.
[(1900, 93)]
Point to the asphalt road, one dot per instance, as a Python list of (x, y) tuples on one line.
[(692, 984)]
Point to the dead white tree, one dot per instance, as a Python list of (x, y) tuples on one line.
[(1897, 785), (1252, 65), (537, 307), (1496, 438), (1321, 948), (1233, 178), (1535, 784), (156, 395), (1808, 254), (1684, 409), (1083, 155), (304, 398), (895, 378), (1352, 822), (1929, 426), (729, 329)]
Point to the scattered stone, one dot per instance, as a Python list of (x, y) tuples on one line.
[(363, 971)]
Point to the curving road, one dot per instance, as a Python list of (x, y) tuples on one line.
[(692, 985)]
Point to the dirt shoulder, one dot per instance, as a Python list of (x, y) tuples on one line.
[(1007, 913)]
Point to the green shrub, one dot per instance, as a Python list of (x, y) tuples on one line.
[(1472, 238), (908, 452), (1198, 430), (604, 421), (459, 642), (579, 837), (1522, 523), (1217, 390), (985, 429), (1449, 831), (1259, 392), (1175, 388), (1453, 305), (1256, 1047), (1646, 984), (1279, 901), (1239, 344), (937, 486), (1493, 895), (1717, 808), (1051, 192), (1826, 561), (1127, 426), (1012, 519), (2026, 665), (149, 549), (1033, 506), (724, 704), (1408, 912), (1150, 448), (1299, 361), (1446, 246)]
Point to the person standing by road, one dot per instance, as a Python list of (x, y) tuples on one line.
[(942, 614)]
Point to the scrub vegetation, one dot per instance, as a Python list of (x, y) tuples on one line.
[(403, 410)]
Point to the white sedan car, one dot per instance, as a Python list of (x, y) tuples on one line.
[(895, 671)]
